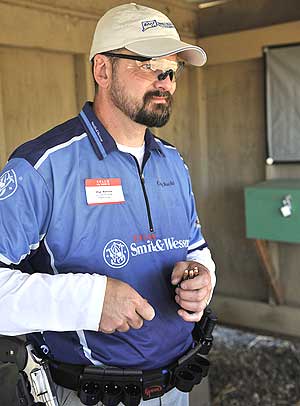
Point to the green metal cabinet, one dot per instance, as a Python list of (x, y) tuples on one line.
[(273, 210)]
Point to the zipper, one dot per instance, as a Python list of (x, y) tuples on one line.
[(142, 179)]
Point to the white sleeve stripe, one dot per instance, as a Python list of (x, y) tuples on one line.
[(197, 244), (87, 351), (32, 247), (165, 145), (58, 147), (5, 260), (51, 257)]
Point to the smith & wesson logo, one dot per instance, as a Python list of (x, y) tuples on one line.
[(8, 184), (116, 253)]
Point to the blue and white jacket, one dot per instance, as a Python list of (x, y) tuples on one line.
[(58, 244)]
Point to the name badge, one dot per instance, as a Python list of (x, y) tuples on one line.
[(104, 191)]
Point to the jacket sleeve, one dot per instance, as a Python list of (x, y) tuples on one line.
[(38, 302)]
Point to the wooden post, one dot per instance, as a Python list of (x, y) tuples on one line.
[(270, 271), (3, 157), (85, 88)]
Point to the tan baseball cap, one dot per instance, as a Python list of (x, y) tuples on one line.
[(144, 31)]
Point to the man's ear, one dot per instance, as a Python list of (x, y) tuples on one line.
[(102, 71)]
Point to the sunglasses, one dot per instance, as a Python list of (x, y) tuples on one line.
[(149, 68)]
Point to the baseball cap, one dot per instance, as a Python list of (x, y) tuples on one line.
[(144, 31)]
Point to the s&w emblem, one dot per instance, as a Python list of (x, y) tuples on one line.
[(116, 254), (8, 184)]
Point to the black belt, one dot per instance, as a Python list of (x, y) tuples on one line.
[(112, 385)]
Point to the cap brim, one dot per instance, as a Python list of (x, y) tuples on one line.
[(159, 47)]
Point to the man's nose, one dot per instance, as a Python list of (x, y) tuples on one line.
[(164, 84)]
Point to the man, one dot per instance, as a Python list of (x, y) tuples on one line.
[(98, 217)]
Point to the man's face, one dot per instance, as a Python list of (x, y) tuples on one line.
[(142, 97)]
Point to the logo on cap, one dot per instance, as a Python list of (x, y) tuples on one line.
[(8, 184), (154, 23), (116, 254)]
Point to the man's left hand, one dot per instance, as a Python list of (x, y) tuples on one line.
[(192, 295)]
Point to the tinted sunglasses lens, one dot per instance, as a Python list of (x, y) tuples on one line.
[(170, 68), (164, 75)]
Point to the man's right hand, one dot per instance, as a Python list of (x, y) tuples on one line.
[(123, 308)]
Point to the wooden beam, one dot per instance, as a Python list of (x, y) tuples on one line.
[(84, 81), (283, 171), (3, 156), (61, 27), (248, 44), (199, 151), (270, 272), (282, 320), (274, 251), (44, 30), (99, 7)]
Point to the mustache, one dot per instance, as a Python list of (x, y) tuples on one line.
[(158, 93)]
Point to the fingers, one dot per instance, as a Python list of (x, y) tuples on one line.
[(106, 331), (195, 295), (202, 280), (192, 306), (135, 323), (178, 271), (123, 308), (145, 310), (122, 329), (191, 317), (184, 272), (193, 289)]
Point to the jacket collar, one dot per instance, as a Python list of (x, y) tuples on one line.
[(102, 142)]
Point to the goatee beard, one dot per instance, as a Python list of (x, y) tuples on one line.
[(159, 115)]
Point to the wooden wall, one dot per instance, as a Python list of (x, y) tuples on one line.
[(234, 137), (44, 70), (235, 155)]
